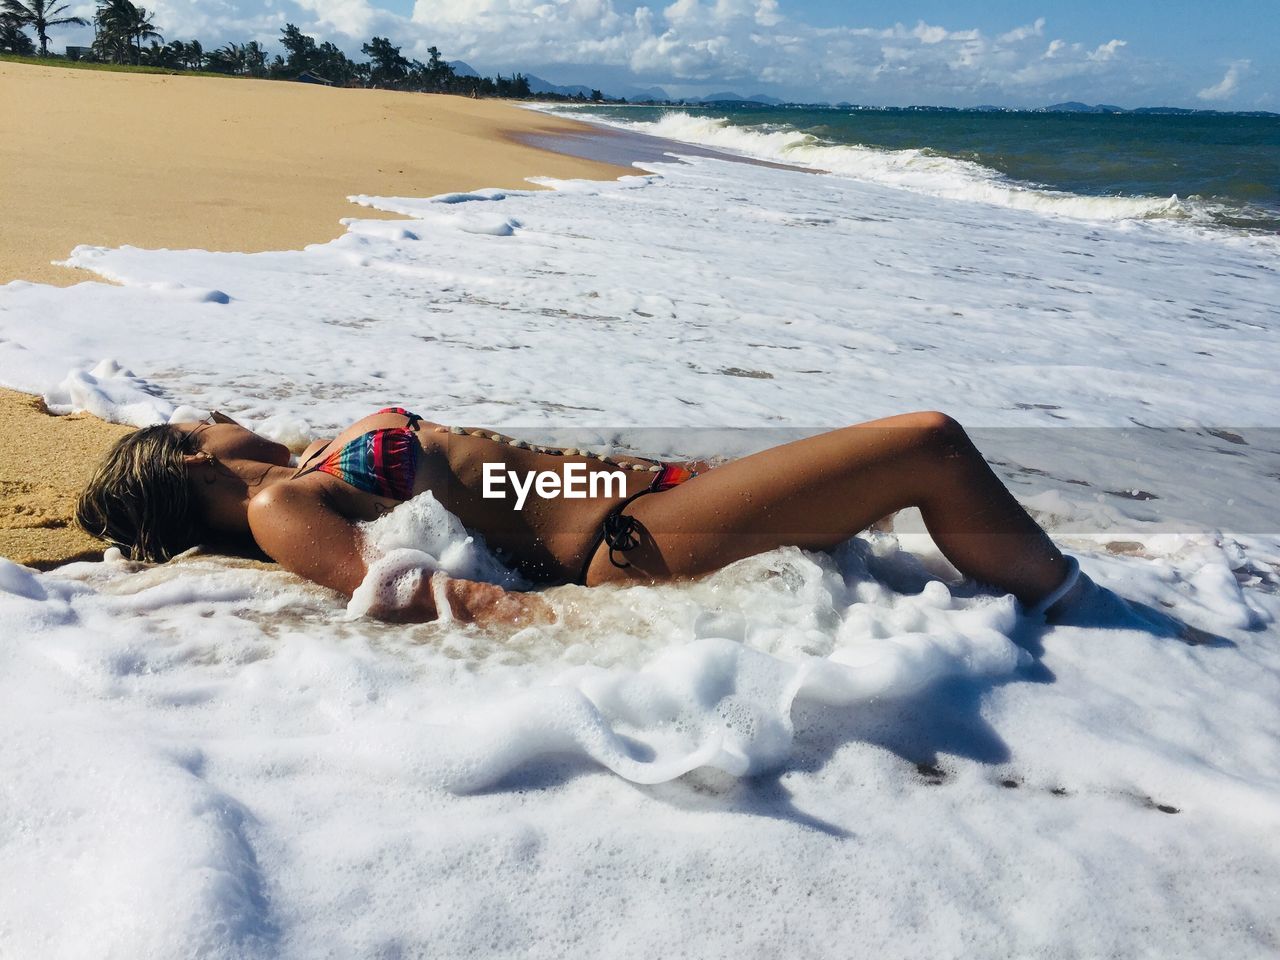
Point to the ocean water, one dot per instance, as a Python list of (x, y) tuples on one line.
[(1220, 169), (809, 754)]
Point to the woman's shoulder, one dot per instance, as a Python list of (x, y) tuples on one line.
[(288, 494)]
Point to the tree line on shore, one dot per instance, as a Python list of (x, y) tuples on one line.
[(125, 33)]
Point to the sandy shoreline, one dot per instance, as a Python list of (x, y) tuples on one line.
[(194, 162), (221, 164)]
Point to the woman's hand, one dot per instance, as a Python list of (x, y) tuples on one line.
[(471, 601)]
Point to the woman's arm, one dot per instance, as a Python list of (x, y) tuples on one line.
[(305, 536)]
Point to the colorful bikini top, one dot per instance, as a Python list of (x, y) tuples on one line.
[(382, 462)]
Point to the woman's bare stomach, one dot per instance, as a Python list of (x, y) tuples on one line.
[(541, 513)]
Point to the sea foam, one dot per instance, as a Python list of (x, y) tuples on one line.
[(809, 752)]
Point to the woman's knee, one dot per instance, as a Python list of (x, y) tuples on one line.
[(934, 432), (934, 423)]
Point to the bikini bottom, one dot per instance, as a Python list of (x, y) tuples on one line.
[(619, 531)]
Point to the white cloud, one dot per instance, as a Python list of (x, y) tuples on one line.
[(685, 43), (1108, 50), (1229, 83), (355, 18), (927, 34), (1018, 34), (691, 46)]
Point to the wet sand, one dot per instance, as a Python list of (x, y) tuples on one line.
[(44, 462), (612, 145)]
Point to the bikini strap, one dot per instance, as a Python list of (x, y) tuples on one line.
[(413, 418), (619, 530)]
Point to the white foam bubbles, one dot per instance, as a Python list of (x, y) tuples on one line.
[(718, 687), (19, 581), (111, 392), (423, 524), (411, 542), (391, 582)]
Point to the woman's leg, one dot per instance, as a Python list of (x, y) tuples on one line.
[(818, 492)]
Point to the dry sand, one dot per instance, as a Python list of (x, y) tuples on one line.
[(226, 164), (220, 164)]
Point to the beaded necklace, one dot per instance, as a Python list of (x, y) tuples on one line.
[(553, 451)]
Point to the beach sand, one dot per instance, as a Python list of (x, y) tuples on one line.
[(44, 461), (108, 159), (226, 164)]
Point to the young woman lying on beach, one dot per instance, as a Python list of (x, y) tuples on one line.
[(165, 489)]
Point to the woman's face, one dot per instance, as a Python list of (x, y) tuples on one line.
[(227, 441)]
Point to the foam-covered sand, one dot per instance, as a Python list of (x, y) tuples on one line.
[(854, 754), (229, 164)]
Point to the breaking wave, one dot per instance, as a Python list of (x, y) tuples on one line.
[(917, 170)]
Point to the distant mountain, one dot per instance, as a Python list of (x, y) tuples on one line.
[(642, 94), (736, 98), (538, 85), (1074, 106), (463, 69)]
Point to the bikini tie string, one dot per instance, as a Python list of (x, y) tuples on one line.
[(621, 531)]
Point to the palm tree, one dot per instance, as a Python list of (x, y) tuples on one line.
[(12, 39), (122, 27), (142, 28), (163, 55), (112, 38), (41, 14), (227, 59), (176, 53), (255, 59)]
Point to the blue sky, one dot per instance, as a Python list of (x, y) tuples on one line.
[(1010, 52)]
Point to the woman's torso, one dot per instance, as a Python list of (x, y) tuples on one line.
[(547, 540)]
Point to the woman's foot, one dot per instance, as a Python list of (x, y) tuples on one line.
[(1080, 602), (1086, 604)]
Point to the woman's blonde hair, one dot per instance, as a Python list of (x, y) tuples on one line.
[(138, 499)]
